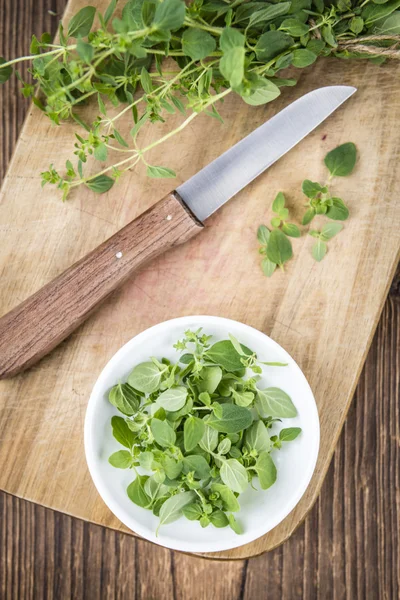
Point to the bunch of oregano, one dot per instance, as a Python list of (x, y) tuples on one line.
[(197, 431), (218, 47), (275, 244)]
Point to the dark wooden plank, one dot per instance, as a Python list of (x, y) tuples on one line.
[(348, 546)]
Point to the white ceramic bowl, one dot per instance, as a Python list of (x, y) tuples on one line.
[(260, 510)]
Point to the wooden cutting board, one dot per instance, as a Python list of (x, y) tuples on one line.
[(323, 314)]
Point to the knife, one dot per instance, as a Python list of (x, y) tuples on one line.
[(38, 324)]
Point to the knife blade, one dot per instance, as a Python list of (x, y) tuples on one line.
[(38, 324), (225, 176)]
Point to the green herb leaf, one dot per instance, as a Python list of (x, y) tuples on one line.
[(125, 398), (171, 467), (279, 249), (272, 43), (122, 433), (224, 354), (338, 211), (234, 475), (237, 528), (136, 491), (268, 267), (257, 437), (193, 431), (146, 460), (209, 441), (319, 250), (341, 161), (308, 216), (266, 470), (289, 434), (163, 433), (269, 13), (210, 378), (197, 464), (330, 230), (263, 234), (81, 23), (291, 230), (169, 15), (274, 402), (160, 172), (5, 72), (294, 27), (265, 91), (234, 418), (279, 203), (145, 377), (303, 58), (100, 184), (173, 399), (228, 498), (311, 188), (219, 518), (85, 51), (197, 44), (193, 512), (224, 446), (121, 459)]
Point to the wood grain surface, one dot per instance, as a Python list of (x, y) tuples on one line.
[(37, 325), (312, 310)]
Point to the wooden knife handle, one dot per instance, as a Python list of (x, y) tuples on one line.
[(39, 323)]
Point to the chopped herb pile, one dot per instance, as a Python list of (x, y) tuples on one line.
[(200, 429)]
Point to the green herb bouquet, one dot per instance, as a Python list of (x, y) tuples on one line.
[(218, 47)]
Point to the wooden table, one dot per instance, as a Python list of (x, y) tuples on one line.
[(351, 529)]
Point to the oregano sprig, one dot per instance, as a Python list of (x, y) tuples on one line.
[(216, 49)]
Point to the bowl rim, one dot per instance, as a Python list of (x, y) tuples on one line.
[(115, 508)]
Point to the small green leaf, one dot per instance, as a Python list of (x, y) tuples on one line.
[(263, 234), (145, 81), (319, 250), (219, 518), (257, 437), (193, 432), (121, 459), (120, 139), (234, 475), (279, 249), (279, 202), (136, 493), (163, 433), (294, 27), (308, 216), (303, 58), (341, 161), (265, 91), (357, 25), (197, 44), (193, 512), (146, 460), (172, 467), (85, 51), (125, 398), (275, 221), (173, 399), (122, 433), (110, 11), (274, 402), (289, 434), (291, 230), (268, 267), (100, 152), (81, 24), (209, 441), (237, 528), (197, 464), (269, 13), (160, 172), (234, 418), (330, 230), (230, 502), (311, 188), (338, 211), (145, 377), (169, 15), (224, 354), (266, 470), (272, 43), (100, 184), (224, 446)]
